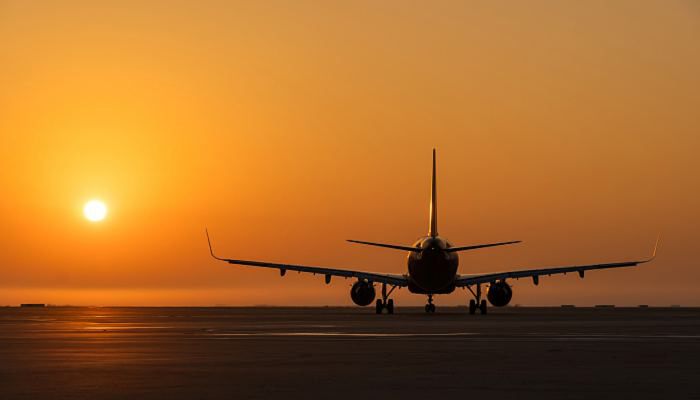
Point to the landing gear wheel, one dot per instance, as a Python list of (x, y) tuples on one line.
[(482, 307), (380, 306), (390, 306), (472, 307), (430, 307)]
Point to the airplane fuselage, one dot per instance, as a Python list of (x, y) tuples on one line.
[(432, 270)]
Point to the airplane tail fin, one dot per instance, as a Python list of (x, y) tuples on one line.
[(433, 231)]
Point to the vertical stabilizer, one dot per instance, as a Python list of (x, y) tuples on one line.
[(433, 231)]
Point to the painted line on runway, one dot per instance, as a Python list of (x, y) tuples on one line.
[(339, 334)]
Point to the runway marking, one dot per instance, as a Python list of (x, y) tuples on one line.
[(473, 335), (121, 328), (340, 334)]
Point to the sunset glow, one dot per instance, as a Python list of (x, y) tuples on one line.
[(288, 127)]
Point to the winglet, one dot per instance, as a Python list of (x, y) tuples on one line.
[(656, 246), (209, 242), (653, 254)]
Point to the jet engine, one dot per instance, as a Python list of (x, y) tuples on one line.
[(362, 293), (499, 294)]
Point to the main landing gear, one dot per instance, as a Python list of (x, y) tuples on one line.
[(430, 307), (477, 302), (385, 303)]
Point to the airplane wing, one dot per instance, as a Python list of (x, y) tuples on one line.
[(391, 279), (473, 279)]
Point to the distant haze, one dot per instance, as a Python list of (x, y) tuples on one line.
[(288, 127)]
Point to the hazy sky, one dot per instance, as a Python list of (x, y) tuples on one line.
[(288, 127)]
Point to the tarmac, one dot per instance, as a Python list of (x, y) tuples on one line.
[(349, 353)]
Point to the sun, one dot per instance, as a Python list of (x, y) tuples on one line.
[(95, 210)]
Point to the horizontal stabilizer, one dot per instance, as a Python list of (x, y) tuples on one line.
[(479, 246), (388, 246)]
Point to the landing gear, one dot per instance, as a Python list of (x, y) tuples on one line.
[(388, 306), (430, 307), (476, 303), (385, 303)]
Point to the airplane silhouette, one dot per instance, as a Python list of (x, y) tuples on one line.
[(432, 269)]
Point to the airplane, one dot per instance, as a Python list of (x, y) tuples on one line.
[(432, 269)]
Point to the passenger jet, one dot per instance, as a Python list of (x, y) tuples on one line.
[(432, 268)]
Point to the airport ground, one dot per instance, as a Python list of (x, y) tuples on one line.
[(348, 353)]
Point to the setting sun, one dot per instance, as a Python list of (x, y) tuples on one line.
[(95, 210)]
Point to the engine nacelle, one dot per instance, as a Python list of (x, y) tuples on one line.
[(499, 294), (362, 293)]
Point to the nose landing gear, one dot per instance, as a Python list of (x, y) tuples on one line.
[(477, 302), (430, 307)]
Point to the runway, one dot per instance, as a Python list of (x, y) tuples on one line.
[(348, 353)]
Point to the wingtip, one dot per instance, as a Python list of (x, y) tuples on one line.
[(211, 250), (654, 252), (656, 246)]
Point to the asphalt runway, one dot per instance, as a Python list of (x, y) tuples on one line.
[(348, 353)]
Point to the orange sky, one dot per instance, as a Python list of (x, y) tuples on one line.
[(287, 127)]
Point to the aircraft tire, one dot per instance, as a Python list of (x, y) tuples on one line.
[(472, 307), (483, 307), (380, 306)]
